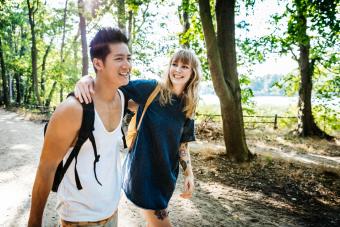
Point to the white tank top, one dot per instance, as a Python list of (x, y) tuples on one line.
[(94, 202)]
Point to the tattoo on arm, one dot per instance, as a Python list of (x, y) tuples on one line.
[(183, 164), (183, 153), (183, 146), (184, 157), (161, 214)]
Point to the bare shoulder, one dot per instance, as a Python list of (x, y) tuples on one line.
[(62, 129), (69, 112)]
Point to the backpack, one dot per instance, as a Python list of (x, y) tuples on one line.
[(85, 133)]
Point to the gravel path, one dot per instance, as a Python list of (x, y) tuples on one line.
[(215, 202)]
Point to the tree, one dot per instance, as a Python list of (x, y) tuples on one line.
[(121, 16), (221, 52), (307, 125), (312, 31), (62, 60), (82, 27), (5, 90), (32, 9), (183, 14)]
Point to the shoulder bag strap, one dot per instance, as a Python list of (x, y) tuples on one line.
[(148, 102)]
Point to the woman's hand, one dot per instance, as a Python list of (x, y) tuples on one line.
[(185, 162), (84, 89), (188, 187)]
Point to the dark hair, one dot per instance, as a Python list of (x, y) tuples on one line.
[(99, 46)]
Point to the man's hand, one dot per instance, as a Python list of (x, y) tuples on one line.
[(84, 89)]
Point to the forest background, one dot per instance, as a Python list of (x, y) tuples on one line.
[(247, 48), (267, 150)]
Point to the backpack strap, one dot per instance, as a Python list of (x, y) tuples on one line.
[(96, 156), (85, 132), (125, 112)]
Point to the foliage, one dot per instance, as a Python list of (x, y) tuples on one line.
[(194, 35), (149, 43), (246, 95), (289, 84)]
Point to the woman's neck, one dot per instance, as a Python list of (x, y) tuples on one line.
[(177, 90)]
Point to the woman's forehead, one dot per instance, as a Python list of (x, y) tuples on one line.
[(182, 60)]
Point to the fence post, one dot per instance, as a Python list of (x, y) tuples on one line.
[(275, 122)]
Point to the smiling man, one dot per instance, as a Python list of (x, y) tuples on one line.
[(89, 191)]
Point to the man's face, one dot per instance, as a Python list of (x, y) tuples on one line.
[(117, 64)]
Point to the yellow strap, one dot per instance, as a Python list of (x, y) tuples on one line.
[(148, 102)]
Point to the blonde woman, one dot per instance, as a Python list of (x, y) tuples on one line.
[(162, 142)]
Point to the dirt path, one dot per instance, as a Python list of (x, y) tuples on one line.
[(215, 203)]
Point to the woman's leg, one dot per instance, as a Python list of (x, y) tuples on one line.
[(156, 218)]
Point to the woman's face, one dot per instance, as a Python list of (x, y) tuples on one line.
[(180, 74)]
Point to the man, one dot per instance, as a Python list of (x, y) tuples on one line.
[(95, 204)]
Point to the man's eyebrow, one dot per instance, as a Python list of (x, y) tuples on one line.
[(122, 55)]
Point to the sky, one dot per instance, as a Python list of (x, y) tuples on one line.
[(258, 26)]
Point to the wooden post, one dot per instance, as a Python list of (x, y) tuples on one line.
[(275, 122)]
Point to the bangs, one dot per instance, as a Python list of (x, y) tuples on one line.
[(183, 56)]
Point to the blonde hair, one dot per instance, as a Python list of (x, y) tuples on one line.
[(190, 92)]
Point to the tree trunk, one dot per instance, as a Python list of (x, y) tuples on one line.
[(222, 64), (18, 87), (121, 16), (50, 95), (34, 51), (130, 26), (64, 33), (28, 91), (82, 26), (306, 124), (5, 90), (43, 67), (54, 85), (185, 22), (10, 86), (61, 94), (131, 29)]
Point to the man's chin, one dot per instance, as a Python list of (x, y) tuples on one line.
[(125, 82)]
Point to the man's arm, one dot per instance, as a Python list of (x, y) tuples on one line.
[(184, 160), (62, 129)]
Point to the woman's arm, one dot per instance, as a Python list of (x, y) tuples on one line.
[(185, 161), (84, 89)]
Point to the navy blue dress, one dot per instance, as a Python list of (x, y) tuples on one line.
[(151, 168)]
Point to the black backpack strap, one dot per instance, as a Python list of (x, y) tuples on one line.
[(96, 156), (126, 111), (85, 131), (126, 103), (124, 139)]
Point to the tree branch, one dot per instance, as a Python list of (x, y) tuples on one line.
[(144, 17), (292, 52)]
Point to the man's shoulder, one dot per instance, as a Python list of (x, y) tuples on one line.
[(70, 104), (70, 109)]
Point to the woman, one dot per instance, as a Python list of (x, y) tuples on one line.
[(161, 145)]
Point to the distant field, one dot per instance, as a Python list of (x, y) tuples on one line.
[(268, 105), (271, 106)]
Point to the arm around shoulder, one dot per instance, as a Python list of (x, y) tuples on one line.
[(62, 129)]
